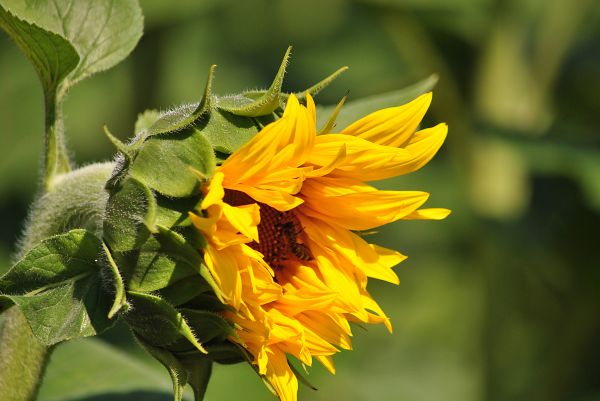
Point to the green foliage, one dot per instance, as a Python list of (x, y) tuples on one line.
[(99, 46), (199, 369), (159, 323), (208, 326), (165, 162), (216, 127), (178, 373), (65, 48), (120, 299), (58, 287), (53, 56)]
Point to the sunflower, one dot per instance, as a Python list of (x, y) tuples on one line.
[(280, 216)]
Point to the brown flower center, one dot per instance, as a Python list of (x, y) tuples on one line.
[(280, 234)]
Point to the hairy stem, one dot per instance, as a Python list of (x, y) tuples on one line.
[(77, 200), (56, 159), (22, 359)]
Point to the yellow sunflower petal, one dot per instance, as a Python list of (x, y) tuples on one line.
[(368, 161), (281, 376), (244, 218), (361, 210), (428, 214), (223, 265), (276, 199), (215, 193), (327, 362), (392, 126), (326, 327)]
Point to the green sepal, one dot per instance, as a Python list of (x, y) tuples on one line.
[(208, 326), (226, 131), (120, 300), (228, 353), (267, 103), (177, 119), (199, 370), (58, 286), (163, 162), (156, 265), (158, 323), (173, 212), (179, 374), (208, 302), (183, 291), (330, 124), (180, 249), (130, 215), (121, 147)]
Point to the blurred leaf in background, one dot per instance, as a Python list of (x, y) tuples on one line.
[(499, 302)]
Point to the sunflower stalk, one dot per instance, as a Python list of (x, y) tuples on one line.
[(56, 157), (77, 201)]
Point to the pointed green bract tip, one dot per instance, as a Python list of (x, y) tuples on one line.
[(121, 147), (268, 102)]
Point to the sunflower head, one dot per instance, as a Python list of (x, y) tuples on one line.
[(236, 225)]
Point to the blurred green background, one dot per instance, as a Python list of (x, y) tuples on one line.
[(499, 302)]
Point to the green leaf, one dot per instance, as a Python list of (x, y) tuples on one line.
[(174, 211), (208, 326), (165, 162), (183, 291), (67, 41), (53, 58), (130, 212), (51, 54), (357, 109), (58, 287), (227, 132), (120, 299), (227, 353), (53, 262), (199, 369), (178, 373), (156, 266), (164, 261), (158, 322), (103, 32)]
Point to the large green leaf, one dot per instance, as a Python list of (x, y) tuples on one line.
[(59, 288), (103, 32), (51, 54), (357, 109)]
